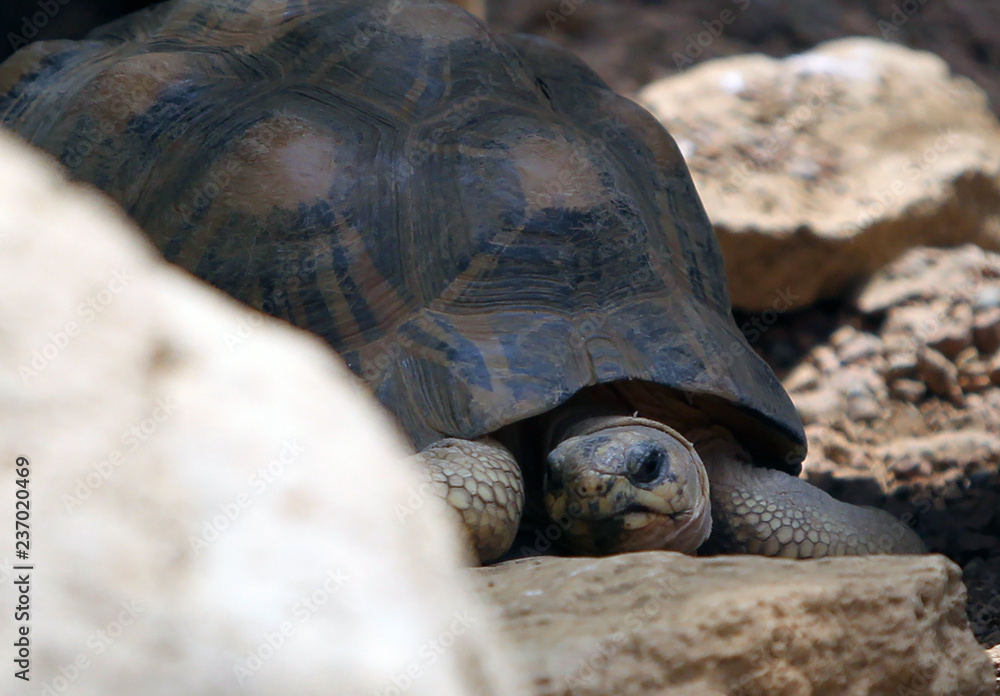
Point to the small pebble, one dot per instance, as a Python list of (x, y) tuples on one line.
[(987, 298), (804, 376), (818, 405), (940, 375), (908, 467), (842, 336), (863, 407), (974, 383), (826, 359), (951, 338), (859, 347), (986, 330), (994, 368), (909, 390), (916, 322), (973, 373), (899, 365)]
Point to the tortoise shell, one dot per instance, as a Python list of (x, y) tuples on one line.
[(476, 223)]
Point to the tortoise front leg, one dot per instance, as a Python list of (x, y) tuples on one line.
[(769, 512), (481, 481)]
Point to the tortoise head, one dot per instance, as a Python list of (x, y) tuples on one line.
[(627, 484)]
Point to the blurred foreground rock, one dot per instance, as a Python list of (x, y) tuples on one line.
[(663, 623), (833, 161), (214, 502)]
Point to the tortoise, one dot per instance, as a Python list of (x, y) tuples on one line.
[(511, 256)]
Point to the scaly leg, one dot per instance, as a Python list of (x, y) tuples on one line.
[(482, 482), (769, 512)]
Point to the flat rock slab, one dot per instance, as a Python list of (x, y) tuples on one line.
[(664, 623)]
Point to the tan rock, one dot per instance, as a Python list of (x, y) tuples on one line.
[(818, 405), (825, 358), (900, 365), (950, 339), (913, 325), (819, 168), (863, 407), (994, 655), (957, 449), (909, 390), (862, 346), (802, 377), (994, 369), (973, 373), (939, 374), (986, 330), (830, 449), (940, 278), (663, 623), (216, 506), (835, 457)]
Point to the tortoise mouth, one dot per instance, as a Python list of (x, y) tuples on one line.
[(638, 528)]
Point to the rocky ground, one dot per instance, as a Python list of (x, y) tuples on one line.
[(899, 388)]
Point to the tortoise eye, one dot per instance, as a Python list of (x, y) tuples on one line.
[(646, 465)]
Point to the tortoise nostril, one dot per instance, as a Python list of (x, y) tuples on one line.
[(647, 465)]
